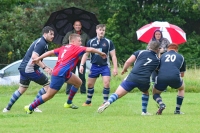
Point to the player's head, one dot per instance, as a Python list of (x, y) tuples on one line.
[(75, 39), (172, 46), (154, 45), (100, 30), (48, 33)]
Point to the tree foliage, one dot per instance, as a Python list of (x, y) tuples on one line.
[(23, 20)]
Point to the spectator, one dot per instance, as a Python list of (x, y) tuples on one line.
[(84, 38)]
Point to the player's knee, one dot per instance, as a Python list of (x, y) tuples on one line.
[(107, 84), (90, 85), (22, 89), (155, 96), (78, 84)]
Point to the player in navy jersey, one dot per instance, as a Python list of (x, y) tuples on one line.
[(100, 66), (68, 57), (171, 69), (145, 62), (30, 72)]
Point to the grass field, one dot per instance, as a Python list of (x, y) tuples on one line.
[(122, 116)]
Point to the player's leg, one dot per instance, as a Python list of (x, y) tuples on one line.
[(69, 86), (179, 98), (145, 97), (122, 90), (105, 73), (90, 91), (76, 83), (41, 79), (158, 99), (24, 83), (42, 99), (82, 77), (159, 87), (92, 77), (56, 84)]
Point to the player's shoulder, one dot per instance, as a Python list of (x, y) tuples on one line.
[(93, 39)]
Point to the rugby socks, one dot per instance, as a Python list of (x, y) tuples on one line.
[(145, 99), (90, 93), (106, 92), (36, 103), (113, 98), (13, 99), (158, 99), (179, 100), (40, 93), (72, 93)]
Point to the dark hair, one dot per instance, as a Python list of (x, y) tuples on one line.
[(154, 38), (77, 21), (46, 29)]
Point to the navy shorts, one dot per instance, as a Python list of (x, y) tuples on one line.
[(36, 76), (162, 83), (58, 81), (97, 70), (129, 86)]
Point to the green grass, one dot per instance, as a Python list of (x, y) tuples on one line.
[(122, 116)]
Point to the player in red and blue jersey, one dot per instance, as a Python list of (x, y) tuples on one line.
[(171, 69), (145, 62), (67, 59)]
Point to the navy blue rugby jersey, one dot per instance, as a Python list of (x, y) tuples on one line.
[(104, 45), (146, 62), (171, 64), (39, 46)]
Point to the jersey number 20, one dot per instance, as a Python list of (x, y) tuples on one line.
[(170, 58)]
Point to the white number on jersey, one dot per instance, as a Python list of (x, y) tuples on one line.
[(148, 61), (64, 52), (170, 58)]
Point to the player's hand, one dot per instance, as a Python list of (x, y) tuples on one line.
[(35, 61), (115, 72), (48, 70), (103, 55), (123, 71), (81, 69)]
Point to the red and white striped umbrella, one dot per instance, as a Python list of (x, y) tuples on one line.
[(172, 32)]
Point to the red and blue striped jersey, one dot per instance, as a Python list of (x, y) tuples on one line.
[(68, 57)]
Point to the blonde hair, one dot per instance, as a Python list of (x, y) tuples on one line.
[(100, 26), (73, 37)]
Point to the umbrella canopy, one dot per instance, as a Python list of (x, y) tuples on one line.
[(62, 21), (172, 32)]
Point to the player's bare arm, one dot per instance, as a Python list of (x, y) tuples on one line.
[(114, 60), (37, 60), (83, 60), (128, 63), (93, 50)]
